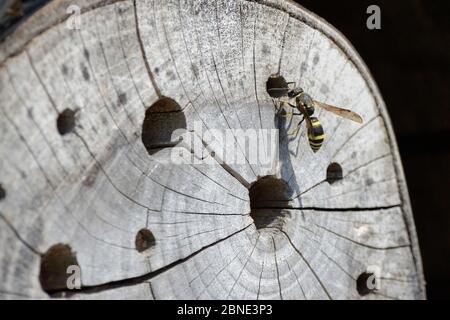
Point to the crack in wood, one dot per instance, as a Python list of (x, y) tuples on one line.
[(139, 279), (276, 265), (308, 264), (144, 55), (243, 268), (324, 209), (17, 234), (363, 244)]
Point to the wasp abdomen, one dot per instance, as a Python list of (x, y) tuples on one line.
[(316, 134)]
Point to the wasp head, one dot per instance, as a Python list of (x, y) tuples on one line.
[(295, 92)]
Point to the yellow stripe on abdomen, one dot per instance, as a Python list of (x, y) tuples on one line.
[(319, 144), (316, 134), (315, 138)]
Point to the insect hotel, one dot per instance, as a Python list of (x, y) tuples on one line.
[(98, 105)]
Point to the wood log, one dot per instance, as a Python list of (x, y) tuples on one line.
[(90, 117)]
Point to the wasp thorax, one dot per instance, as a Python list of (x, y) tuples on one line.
[(305, 99), (310, 110)]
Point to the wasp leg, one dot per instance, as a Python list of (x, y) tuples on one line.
[(284, 101), (276, 106), (291, 114), (295, 131)]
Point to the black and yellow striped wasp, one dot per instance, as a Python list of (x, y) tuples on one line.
[(305, 105)]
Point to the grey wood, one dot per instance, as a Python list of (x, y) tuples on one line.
[(97, 186)]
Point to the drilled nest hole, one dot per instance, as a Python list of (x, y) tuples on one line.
[(162, 123), (2, 193), (55, 263), (366, 283), (269, 197), (66, 122), (334, 173), (144, 240), (276, 86)]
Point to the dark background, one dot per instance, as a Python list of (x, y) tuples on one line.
[(410, 60)]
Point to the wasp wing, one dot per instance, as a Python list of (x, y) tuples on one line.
[(344, 113)]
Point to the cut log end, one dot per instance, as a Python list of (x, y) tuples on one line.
[(149, 182)]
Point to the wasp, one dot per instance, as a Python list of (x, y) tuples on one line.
[(305, 106)]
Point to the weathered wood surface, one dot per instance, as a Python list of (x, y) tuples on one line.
[(94, 188)]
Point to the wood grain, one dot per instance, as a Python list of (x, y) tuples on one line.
[(97, 186)]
